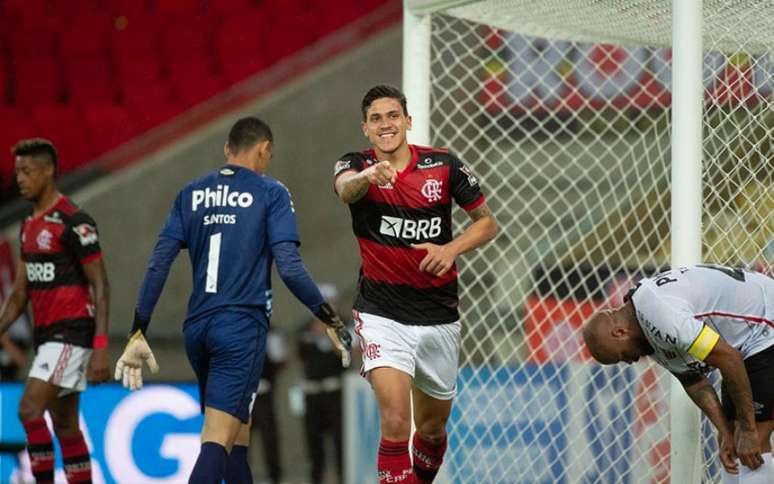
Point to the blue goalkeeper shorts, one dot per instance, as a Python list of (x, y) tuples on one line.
[(226, 351)]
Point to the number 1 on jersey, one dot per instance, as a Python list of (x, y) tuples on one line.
[(213, 259)]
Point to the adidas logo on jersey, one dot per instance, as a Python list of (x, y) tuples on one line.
[(220, 197), (404, 228)]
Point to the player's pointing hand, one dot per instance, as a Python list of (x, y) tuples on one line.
[(381, 174), (439, 258)]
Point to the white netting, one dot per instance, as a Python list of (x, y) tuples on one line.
[(571, 142)]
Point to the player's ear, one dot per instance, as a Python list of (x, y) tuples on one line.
[(226, 151), (364, 127), (408, 123)]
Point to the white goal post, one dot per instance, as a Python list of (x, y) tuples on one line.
[(613, 138)]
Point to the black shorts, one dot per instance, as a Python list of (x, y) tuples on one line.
[(760, 370)]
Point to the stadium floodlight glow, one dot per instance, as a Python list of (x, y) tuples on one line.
[(566, 111)]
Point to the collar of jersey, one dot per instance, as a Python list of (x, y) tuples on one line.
[(49, 209)]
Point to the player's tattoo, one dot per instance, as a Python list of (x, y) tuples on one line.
[(352, 188), (482, 211)]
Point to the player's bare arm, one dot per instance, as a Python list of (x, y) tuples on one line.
[(699, 388), (16, 301), (440, 258), (99, 364), (352, 186), (731, 365)]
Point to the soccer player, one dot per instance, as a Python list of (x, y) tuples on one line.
[(234, 221), (63, 276), (692, 320), (406, 312)]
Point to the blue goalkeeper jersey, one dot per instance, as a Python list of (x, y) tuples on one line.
[(228, 220)]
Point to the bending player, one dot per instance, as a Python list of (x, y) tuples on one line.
[(61, 269), (234, 221), (400, 197), (692, 320)]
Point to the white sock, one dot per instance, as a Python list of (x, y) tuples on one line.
[(762, 475)]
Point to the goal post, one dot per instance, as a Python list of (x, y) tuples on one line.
[(587, 123)]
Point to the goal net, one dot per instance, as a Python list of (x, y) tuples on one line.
[(562, 108)]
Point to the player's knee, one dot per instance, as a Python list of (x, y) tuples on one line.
[(28, 410), (433, 430), (396, 425)]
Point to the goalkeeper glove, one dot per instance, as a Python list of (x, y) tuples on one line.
[(337, 332), (129, 366)]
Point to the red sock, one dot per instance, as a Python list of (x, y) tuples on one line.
[(40, 449), (76, 459), (427, 458), (394, 463)]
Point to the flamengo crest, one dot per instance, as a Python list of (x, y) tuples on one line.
[(44, 239), (432, 190)]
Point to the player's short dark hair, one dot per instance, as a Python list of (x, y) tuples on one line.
[(247, 132), (380, 91), (37, 147)]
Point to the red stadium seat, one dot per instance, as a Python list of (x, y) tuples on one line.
[(37, 80), (128, 8), (34, 39), (5, 83), (148, 104), (188, 70), (187, 38), (87, 36), (138, 39), (90, 81), (191, 93), (285, 8), (73, 11), (13, 127), (231, 8), (109, 126), (288, 36), (177, 7), (138, 70), (63, 124), (240, 49)]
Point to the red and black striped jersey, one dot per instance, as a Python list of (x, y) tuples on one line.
[(54, 246), (413, 210)]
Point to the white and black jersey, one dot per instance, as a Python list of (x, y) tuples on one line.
[(685, 311)]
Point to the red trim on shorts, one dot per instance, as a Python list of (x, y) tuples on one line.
[(64, 358), (363, 345), (744, 317)]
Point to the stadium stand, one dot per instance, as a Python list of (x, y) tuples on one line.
[(92, 74)]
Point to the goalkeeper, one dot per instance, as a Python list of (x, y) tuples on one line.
[(234, 222)]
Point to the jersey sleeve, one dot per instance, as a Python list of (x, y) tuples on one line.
[(174, 226), (349, 162), (81, 238), (670, 324), (464, 186), (281, 218)]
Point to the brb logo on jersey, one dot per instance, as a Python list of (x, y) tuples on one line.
[(220, 197), (403, 228), (40, 271)]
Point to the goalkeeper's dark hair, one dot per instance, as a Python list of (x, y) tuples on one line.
[(37, 147), (247, 132), (381, 91)]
